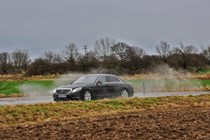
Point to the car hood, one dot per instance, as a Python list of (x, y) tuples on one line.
[(74, 85)]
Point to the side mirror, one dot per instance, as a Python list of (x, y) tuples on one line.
[(99, 83)]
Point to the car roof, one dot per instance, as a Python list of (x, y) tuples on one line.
[(101, 75)]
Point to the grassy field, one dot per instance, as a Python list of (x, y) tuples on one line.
[(14, 87), (29, 114), (10, 88)]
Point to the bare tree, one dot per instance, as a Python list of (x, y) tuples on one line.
[(185, 53), (20, 59), (5, 63), (119, 49), (163, 50), (52, 57), (71, 53), (39, 67), (103, 47), (190, 49), (123, 51), (135, 52), (48, 56), (139, 51), (206, 51), (88, 61)]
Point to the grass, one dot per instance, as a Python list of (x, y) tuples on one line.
[(13, 87), (9, 87), (205, 82), (38, 113), (204, 71)]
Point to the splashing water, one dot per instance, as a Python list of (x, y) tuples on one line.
[(34, 90), (167, 79)]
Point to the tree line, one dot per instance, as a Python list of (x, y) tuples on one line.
[(108, 55)]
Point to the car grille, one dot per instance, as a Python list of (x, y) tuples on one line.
[(63, 91)]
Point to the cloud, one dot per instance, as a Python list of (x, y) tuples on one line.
[(50, 24)]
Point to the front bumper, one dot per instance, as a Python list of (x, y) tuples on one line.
[(73, 96)]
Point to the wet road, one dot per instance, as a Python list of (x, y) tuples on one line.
[(47, 99)]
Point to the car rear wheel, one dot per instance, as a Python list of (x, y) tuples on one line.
[(124, 93), (87, 96)]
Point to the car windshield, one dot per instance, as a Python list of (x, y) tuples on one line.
[(85, 80)]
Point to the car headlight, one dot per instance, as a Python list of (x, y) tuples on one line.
[(53, 91), (76, 89)]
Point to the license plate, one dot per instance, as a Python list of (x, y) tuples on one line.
[(62, 96)]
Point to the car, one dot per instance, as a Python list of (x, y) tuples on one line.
[(94, 86)]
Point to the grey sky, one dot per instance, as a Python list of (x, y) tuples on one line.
[(39, 25)]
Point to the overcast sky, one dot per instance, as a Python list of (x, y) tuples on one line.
[(41, 25)]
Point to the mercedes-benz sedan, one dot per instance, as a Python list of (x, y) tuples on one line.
[(94, 86)]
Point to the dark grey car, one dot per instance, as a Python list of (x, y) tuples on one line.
[(94, 86)]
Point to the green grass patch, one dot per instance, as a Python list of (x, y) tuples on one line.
[(204, 71), (205, 82), (43, 83), (13, 87), (9, 87)]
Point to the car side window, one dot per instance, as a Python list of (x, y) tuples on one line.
[(112, 79), (102, 79)]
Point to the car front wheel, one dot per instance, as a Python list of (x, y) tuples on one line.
[(124, 93), (86, 96), (55, 99)]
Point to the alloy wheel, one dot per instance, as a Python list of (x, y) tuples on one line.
[(87, 96), (124, 93)]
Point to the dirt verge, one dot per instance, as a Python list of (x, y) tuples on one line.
[(171, 123)]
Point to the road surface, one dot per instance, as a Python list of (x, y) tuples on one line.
[(47, 99)]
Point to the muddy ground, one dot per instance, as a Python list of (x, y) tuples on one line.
[(170, 123)]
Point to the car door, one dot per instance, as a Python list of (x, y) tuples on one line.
[(113, 86), (101, 89)]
